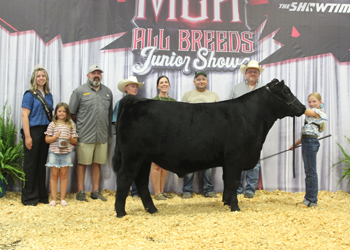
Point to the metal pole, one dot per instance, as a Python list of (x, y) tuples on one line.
[(293, 147)]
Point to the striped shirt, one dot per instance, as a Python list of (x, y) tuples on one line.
[(53, 128)]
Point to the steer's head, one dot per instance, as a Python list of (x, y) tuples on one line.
[(286, 100)]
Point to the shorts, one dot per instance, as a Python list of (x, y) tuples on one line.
[(88, 153), (59, 160)]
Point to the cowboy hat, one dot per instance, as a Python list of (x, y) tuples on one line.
[(251, 65), (131, 79)]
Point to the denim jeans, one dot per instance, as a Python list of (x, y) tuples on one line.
[(59, 160), (134, 190), (310, 148), (207, 184), (251, 179)]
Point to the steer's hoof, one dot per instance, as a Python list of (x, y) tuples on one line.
[(235, 209), (155, 212), (120, 215), (152, 211), (226, 203)]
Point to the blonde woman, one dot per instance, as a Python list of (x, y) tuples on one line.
[(37, 106)]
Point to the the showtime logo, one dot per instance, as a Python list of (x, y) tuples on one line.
[(316, 7)]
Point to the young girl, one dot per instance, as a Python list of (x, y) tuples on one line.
[(314, 124), (60, 134)]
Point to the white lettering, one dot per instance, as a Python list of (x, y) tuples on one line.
[(141, 9), (160, 61), (186, 11), (203, 61)]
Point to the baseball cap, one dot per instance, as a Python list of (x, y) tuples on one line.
[(200, 73), (94, 67)]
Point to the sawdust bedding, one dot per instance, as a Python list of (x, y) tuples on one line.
[(271, 220)]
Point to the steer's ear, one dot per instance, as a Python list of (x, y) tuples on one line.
[(275, 81), (282, 82)]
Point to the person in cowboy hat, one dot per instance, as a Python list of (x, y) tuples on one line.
[(252, 72), (128, 86)]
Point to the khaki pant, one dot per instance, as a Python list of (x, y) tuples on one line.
[(92, 152)]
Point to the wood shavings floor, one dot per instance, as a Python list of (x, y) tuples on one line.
[(271, 220)]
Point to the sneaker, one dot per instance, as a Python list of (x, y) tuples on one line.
[(97, 195), (211, 195), (160, 197), (187, 196), (248, 195), (309, 204), (168, 196), (81, 196)]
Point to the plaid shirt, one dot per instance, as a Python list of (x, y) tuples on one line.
[(37, 114)]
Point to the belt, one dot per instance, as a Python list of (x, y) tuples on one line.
[(309, 136)]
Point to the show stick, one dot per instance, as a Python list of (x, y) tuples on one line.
[(321, 138)]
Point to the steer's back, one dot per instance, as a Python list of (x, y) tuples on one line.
[(180, 137)]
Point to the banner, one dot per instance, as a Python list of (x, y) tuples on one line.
[(305, 43)]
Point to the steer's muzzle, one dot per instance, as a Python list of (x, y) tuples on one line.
[(298, 108)]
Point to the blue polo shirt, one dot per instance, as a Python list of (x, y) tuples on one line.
[(37, 114)]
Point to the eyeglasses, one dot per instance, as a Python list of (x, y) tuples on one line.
[(252, 71)]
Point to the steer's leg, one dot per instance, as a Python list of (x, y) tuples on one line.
[(123, 186), (232, 178), (225, 196), (125, 176), (141, 182)]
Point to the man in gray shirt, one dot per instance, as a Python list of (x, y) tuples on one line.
[(91, 108), (200, 95), (252, 72)]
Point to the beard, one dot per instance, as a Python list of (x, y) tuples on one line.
[(252, 79), (94, 82)]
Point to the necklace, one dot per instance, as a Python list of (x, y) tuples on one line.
[(164, 97)]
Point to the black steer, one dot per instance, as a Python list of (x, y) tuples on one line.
[(184, 138)]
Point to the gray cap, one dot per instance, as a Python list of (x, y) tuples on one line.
[(94, 67)]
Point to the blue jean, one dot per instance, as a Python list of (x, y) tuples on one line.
[(207, 184), (310, 148), (59, 160), (251, 179), (134, 190)]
